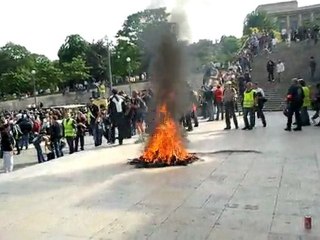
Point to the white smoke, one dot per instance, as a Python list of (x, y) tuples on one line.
[(179, 15), (178, 10)]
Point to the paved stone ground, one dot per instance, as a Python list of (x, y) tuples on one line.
[(228, 196)]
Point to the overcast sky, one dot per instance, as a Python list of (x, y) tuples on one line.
[(42, 25)]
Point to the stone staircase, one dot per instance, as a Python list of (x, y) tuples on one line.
[(296, 60), (275, 101)]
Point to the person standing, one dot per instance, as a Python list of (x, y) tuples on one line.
[(117, 109), (7, 143), (305, 119), (249, 102), (280, 69), (295, 99), (81, 131), (139, 110), (229, 104), (316, 103), (218, 100), (69, 131), (261, 99), (270, 70), (209, 98), (313, 66), (55, 136)]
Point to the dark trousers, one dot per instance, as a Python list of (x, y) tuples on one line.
[(70, 142), (305, 119), (210, 110), (230, 113), (270, 76), (39, 152), (219, 110), (296, 112), (260, 114), (250, 112), (204, 110), (17, 145), (188, 122), (79, 138), (118, 122), (56, 148), (194, 115)]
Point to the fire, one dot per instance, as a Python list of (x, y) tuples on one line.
[(166, 144)]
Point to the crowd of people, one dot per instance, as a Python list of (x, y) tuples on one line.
[(223, 94)]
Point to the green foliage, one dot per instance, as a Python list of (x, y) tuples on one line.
[(75, 71), (202, 52), (48, 75), (122, 51), (259, 20), (97, 60), (80, 60), (134, 38), (73, 47), (137, 23)]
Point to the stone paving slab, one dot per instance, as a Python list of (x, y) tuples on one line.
[(247, 196)]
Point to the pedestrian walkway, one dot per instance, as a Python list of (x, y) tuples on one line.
[(262, 193)]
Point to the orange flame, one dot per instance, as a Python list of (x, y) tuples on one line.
[(166, 144)]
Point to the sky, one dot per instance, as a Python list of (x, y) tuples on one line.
[(42, 25)]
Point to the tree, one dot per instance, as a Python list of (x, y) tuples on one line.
[(137, 23), (229, 44), (97, 60), (73, 47), (13, 56), (204, 51), (122, 51), (260, 20), (16, 63), (48, 75), (134, 38), (75, 72)]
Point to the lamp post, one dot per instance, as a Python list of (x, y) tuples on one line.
[(33, 72), (110, 71), (129, 72)]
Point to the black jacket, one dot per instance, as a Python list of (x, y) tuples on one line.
[(7, 142)]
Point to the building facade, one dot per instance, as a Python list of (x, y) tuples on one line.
[(289, 15)]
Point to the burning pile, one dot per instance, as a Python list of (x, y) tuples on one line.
[(165, 147), (170, 100)]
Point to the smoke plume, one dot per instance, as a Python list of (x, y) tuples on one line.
[(168, 63)]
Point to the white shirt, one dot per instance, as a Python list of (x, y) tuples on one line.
[(280, 67)]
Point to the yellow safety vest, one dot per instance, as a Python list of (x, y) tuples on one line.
[(248, 99), (306, 100), (69, 130), (102, 89)]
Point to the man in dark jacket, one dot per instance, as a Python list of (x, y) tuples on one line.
[(117, 108), (55, 136), (26, 128), (270, 69), (295, 99)]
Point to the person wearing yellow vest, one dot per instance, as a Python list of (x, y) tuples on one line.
[(249, 103), (102, 90), (69, 132), (305, 119)]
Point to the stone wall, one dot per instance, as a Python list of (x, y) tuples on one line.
[(195, 81), (59, 99), (278, 7)]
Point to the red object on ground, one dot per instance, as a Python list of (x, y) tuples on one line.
[(307, 222)]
